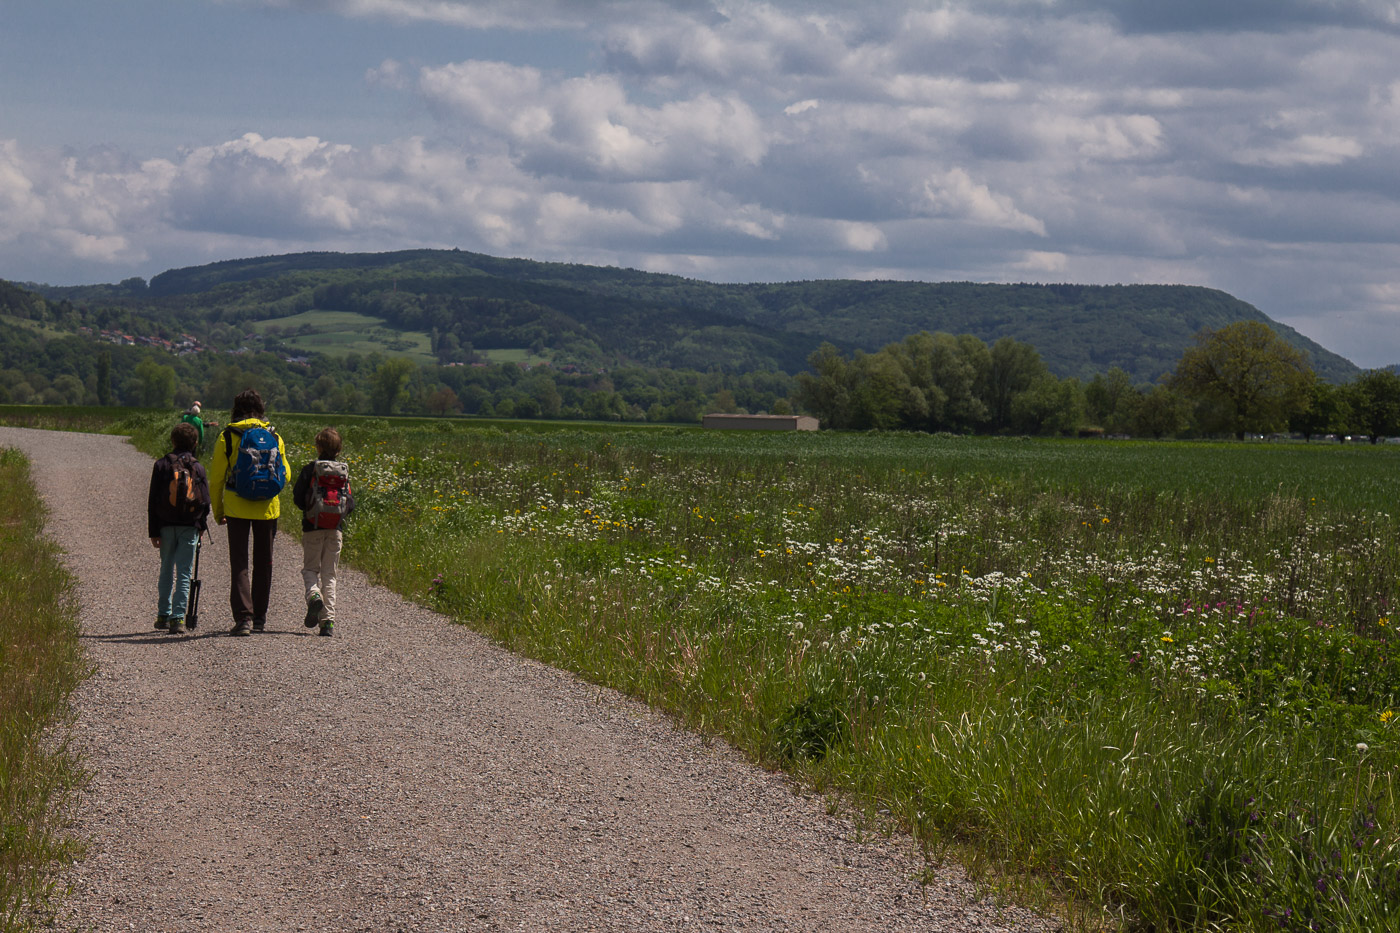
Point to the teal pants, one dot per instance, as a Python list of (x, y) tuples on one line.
[(177, 544)]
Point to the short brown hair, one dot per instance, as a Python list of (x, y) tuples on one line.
[(184, 436), (328, 444), (248, 404)]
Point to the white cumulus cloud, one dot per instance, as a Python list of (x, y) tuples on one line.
[(954, 194), (1306, 150), (589, 125)]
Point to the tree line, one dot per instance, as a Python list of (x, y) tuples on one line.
[(1239, 379), (76, 370)]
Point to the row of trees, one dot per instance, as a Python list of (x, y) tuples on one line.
[(1240, 379), (74, 371), (938, 382)]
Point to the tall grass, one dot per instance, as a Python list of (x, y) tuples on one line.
[(41, 663), (1165, 689)]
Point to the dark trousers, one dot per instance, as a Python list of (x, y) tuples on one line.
[(249, 597)]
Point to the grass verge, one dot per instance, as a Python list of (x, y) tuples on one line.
[(41, 662)]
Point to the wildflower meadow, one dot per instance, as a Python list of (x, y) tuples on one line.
[(1153, 681)]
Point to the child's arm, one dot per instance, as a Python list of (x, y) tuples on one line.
[(302, 490)]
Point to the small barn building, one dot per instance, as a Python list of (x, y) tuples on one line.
[(761, 422)]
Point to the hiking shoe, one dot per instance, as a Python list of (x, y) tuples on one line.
[(177, 626), (259, 624), (242, 627), (326, 629), (162, 623), (314, 607)]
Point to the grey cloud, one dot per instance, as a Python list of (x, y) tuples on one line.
[(996, 140), (492, 14), (1239, 15), (264, 188)]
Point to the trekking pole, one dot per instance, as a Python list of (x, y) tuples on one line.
[(192, 608)]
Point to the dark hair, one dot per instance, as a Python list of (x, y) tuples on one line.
[(328, 444), (184, 436), (247, 404)]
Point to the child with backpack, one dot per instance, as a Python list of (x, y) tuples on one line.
[(249, 470), (322, 492), (177, 513)]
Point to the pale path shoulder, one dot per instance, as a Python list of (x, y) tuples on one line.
[(408, 775)]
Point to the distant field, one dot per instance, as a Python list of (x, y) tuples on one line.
[(48, 332), (340, 333), (513, 355)]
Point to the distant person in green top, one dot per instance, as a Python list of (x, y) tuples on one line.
[(191, 416)]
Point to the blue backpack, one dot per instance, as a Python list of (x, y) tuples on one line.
[(259, 473)]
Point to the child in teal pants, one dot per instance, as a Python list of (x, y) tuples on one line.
[(177, 513)]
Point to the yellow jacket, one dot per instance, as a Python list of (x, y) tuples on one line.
[(226, 502)]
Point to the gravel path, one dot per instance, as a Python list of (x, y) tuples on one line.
[(409, 775)]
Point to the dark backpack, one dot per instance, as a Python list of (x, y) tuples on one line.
[(259, 472), (183, 502), (330, 494)]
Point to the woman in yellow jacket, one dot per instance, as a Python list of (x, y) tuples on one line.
[(245, 518)]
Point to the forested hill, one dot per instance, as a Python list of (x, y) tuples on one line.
[(1080, 330), (601, 316)]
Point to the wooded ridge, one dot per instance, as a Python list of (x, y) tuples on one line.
[(594, 317)]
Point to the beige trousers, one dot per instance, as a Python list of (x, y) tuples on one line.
[(320, 551)]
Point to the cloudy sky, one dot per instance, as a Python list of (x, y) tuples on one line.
[(1247, 145)]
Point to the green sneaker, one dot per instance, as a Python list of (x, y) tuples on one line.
[(162, 623), (177, 626), (326, 629), (314, 608)]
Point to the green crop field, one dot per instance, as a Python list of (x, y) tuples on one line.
[(340, 333), (1154, 684)]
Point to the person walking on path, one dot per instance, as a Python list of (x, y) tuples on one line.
[(177, 513), (322, 492), (249, 470)]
